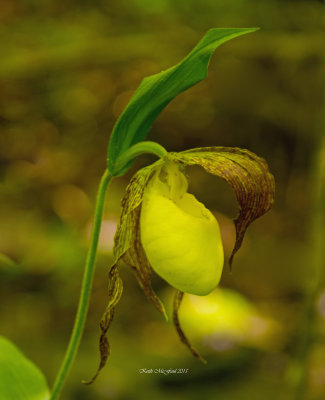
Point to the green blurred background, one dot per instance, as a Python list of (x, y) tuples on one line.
[(67, 70)]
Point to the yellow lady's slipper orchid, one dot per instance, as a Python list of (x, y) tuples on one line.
[(165, 229), (180, 236)]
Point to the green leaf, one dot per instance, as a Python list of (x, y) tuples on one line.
[(156, 91), (20, 379), (5, 260)]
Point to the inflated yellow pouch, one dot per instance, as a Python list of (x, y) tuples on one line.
[(180, 236)]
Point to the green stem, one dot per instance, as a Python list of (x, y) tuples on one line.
[(317, 233), (85, 291), (136, 150)]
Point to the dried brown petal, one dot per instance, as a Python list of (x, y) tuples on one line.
[(115, 289), (176, 305), (127, 243), (248, 175)]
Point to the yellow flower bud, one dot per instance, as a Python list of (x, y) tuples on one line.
[(180, 236)]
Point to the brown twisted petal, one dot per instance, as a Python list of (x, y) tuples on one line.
[(176, 305), (115, 289), (127, 246), (254, 187), (136, 258), (247, 174), (127, 243)]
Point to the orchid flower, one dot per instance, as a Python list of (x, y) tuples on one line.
[(163, 228)]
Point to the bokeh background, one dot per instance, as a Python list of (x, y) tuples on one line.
[(67, 71)]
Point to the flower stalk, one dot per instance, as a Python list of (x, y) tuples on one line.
[(136, 150), (85, 291)]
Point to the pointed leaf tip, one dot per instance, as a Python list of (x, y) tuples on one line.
[(156, 91), (20, 378)]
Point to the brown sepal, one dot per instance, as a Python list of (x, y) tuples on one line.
[(247, 174), (176, 305)]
